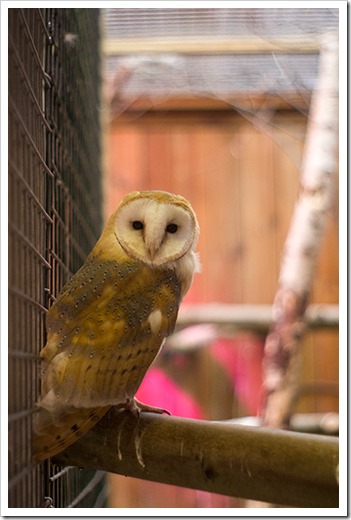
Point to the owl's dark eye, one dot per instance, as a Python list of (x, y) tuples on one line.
[(137, 224), (172, 228)]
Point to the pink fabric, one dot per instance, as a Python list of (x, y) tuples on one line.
[(241, 358), (157, 389)]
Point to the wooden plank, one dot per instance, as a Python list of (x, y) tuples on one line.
[(257, 210), (181, 158), (288, 141), (241, 100), (186, 181), (222, 254), (125, 164), (197, 188), (157, 159), (253, 317), (113, 47)]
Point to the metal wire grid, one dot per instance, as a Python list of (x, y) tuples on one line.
[(54, 218), (80, 488), (219, 76), (216, 22), (162, 75)]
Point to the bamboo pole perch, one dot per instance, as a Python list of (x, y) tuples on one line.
[(274, 466), (318, 183)]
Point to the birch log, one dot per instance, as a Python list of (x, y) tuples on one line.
[(318, 172)]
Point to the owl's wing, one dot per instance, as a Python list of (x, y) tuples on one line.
[(104, 331), (54, 433)]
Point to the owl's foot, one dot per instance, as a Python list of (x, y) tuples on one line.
[(147, 408)]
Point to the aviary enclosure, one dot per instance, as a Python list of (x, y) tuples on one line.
[(214, 104)]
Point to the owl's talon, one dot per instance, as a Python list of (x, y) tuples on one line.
[(147, 408)]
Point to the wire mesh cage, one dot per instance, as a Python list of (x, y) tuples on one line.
[(54, 218), (166, 53)]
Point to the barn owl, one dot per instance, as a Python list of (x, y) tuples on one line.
[(111, 319)]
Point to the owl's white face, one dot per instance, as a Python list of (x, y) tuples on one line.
[(155, 232)]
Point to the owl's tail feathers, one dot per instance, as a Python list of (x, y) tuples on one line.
[(52, 433)]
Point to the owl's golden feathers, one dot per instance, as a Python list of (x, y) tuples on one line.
[(111, 318)]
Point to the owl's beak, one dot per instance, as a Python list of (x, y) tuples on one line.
[(153, 245), (152, 250)]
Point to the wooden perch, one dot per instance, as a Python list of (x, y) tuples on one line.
[(199, 325), (124, 46), (273, 466), (252, 317), (305, 235)]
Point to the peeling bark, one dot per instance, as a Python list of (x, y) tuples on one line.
[(318, 181)]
